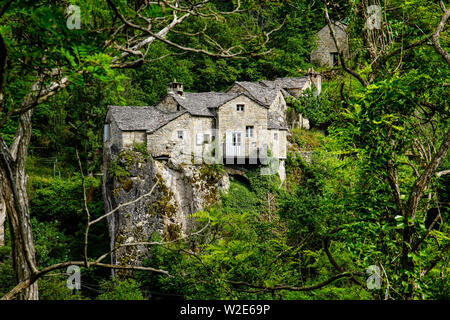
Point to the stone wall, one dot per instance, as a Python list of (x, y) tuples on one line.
[(131, 137), (326, 45), (168, 104), (231, 120), (165, 140), (115, 134), (278, 146), (279, 105), (202, 126)]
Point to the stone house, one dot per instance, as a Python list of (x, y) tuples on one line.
[(244, 124), (326, 53)]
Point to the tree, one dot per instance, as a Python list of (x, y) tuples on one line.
[(399, 119), (34, 69)]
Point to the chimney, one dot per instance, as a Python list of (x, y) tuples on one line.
[(175, 88), (316, 79)]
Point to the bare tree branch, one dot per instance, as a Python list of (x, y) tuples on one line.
[(422, 181), (28, 282), (341, 53), (86, 208), (435, 37), (295, 288)]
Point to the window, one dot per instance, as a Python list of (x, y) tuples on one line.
[(334, 59), (275, 136), (206, 138), (199, 139), (239, 107), (178, 107), (106, 132), (180, 135), (236, 139), (249, 131)]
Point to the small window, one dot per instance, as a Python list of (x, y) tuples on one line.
[(239, 107), (236, 139), (178, 107), (199, 139), (180, 135), (106, 135), (334, 59), (249, 131), (206, 138), (275, 136)]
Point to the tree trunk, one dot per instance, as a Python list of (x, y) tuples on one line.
[(2, 221), (13, 190)]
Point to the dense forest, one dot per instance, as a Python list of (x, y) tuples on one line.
[(366, 217)]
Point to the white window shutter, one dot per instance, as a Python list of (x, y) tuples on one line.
[(199, 138)]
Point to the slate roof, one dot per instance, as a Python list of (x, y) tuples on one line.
[(286, 83), (200, 104), (261, 93), (141, 118), (340, 24), (276, 121)]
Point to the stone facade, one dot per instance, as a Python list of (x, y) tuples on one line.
[(168, 148), (112, 135), (245, 123), (182, 139), (230, 120), (130, 137), (326, 52)]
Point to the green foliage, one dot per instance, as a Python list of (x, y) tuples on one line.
[(239, 198), (259, 233), (120, 290), (7, 277), (141, 147), (305, 139), (54, 288), (50, 243)]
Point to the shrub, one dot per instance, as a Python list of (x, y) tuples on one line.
[(120, 290)]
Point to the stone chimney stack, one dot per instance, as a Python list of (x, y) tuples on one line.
[(316, 79), (175, 88)]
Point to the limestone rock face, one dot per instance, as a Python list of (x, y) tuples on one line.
[(178, 191)]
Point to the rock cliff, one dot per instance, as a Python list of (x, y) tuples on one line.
[(178, 190)]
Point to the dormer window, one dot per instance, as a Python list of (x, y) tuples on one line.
[(239, 107)]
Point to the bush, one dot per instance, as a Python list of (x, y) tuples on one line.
[(120, 290), (54, 288), (7, 277), (305, 139)]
